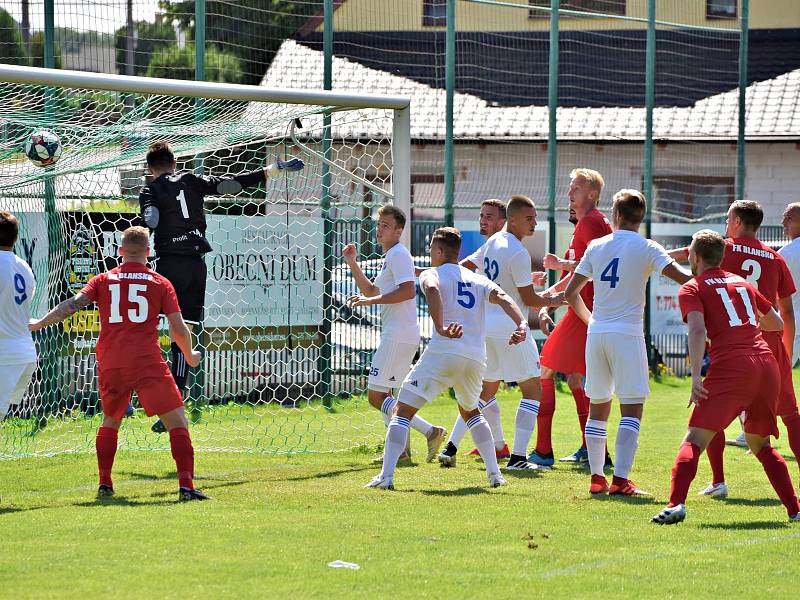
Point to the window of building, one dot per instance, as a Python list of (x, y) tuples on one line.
[(687, 196), (434, 13), (612, 7), (721, 9)]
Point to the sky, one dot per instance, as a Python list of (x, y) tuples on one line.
[(105, 16)]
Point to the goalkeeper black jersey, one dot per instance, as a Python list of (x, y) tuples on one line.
[(172, 206)]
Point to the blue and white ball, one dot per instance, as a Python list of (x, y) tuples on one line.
[(43, 148)]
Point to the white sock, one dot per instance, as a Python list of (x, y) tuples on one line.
[(459, 429), (396, 436), (387, 407), (525, 423), (421, 425), (596, 445), (491, 412), (482, 436), (627, 443)]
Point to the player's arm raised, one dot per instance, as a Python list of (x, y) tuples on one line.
[(697, 348), (366, 287), (237, 183), (66, 309), (677, 273), (554, 263), (430, 287), (405, 291), (510, 307), (181, 335)]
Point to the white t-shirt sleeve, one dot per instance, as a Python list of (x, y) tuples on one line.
[(585, 266), (658, 256), (521, 269), (476, 258), (401, 266)]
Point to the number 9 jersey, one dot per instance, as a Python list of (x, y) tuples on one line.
[(130, 299)]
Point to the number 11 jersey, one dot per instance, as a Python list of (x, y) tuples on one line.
[(130, 298)]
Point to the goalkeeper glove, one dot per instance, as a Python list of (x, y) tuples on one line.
[(279, 166)]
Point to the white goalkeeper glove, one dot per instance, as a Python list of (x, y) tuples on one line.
[(279, 166)]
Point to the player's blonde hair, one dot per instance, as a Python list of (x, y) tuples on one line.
[(591, 177), (709, 246), (449, 239), (630, 205), (135, 241), (390, 210)]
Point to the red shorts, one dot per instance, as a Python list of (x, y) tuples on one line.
[(564, 350), (153, 384), (746, 383), (787, 402)]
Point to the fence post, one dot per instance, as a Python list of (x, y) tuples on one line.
[(552, 130), (450, 85), (741, 142), (650, 100)]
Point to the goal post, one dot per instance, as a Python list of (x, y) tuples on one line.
[(278, 334)]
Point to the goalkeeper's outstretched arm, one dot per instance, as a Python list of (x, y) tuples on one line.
[(181, 335)]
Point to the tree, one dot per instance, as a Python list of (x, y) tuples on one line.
[(178, 63), (253, 30), (151, 39), (37, 51), (12, 52)]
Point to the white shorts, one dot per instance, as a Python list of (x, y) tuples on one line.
[(14, 380), (519, 362), (435, 372), (390, 365), (616, 362)]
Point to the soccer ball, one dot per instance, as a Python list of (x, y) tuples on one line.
[(43, 148)]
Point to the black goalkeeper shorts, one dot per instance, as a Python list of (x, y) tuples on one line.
[(187, 274)]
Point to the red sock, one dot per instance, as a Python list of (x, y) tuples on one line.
[(183, 453), (544, 422), (106, 445), (778, 474), (582, 408), (716, 451), (792, 423), (683, 472)]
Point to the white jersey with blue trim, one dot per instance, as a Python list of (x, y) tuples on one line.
[(17, 285)]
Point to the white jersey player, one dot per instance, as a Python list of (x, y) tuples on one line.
[(456, 354), (616, 359), (17, 351), (791, 254), (395, 290)]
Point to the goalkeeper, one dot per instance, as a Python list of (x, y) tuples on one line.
[(172, 207)]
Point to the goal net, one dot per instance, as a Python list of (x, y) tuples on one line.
[(285, 361)]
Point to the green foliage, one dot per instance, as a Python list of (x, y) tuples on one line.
[(251, 29), (152, 38), (37, 51), (179, 63), (12, 50)]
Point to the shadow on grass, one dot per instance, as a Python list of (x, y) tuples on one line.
[(467, 491), (15, 509), (745, 525), (751, 502), (327, 474), (122, 501), (626, 499)]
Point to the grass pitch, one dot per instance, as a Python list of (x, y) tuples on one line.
[(275, 523)]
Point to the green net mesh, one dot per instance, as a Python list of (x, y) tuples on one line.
[(285, 360)]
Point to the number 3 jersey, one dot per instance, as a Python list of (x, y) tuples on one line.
[(730, 308), (130, 298), (16, 293), (620, 265), (506, 262)]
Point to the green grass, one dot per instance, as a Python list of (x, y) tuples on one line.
[(275, 523)]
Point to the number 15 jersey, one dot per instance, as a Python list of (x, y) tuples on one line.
[(620, 265), (130, 298)]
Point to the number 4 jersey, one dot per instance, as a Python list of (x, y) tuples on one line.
[(130, 298), (730, 308)]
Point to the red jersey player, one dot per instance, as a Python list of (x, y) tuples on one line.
[(743, 375), (130, 298), (768, 272), (563, 351)]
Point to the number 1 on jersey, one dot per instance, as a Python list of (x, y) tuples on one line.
[(609, 274), (733, 317), (184, 209)]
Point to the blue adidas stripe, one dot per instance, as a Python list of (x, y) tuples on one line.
[(529, 407), (476, 420), (401, 421), (630, 423), (595, 432), (387, 405)]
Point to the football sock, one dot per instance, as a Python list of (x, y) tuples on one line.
[(417, 422), (459, 429), (482, 436), (683, 472), (792, 423), (627, 443), (544, 422), (525, 424), (778, 474), (582, 408), (106, 445), (596, 445), (178, 367), (396, 436), (183, 453), (490, 410), (716, 452)]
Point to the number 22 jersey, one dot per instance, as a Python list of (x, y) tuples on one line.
[(130, 298)]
